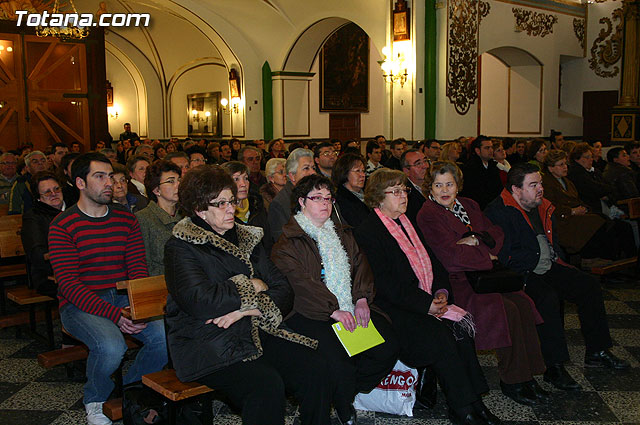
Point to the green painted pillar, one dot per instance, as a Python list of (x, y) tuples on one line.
[(430, 70), (267, 102)]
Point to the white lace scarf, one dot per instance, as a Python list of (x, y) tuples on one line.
[(337, 271)]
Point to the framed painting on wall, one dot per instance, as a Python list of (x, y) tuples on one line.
[(204, 114), (344, 71)]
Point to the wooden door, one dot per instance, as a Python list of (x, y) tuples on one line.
[(596, 115), (344, 126), (44, 86)]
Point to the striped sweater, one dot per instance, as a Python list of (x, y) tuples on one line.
[(92, 254)]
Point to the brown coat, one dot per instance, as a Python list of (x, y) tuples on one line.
[(298, 258), (574, 231)]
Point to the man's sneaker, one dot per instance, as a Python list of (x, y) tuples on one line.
[(95, 415)]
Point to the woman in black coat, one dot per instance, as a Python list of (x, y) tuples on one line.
[(348, 176), (414, 311), (35, 228), (225, 308)]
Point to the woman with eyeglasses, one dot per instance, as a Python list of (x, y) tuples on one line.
[(332, 282), (226, 306), (413, 287), (160, 215), (35, 227)]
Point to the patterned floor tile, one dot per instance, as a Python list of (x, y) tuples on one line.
[(613, 380), (620, 307), (580, 405), (626, 337), (626, 405), (571, 321), (9, 347), (626, 294), (623, 321), (30, 417), (19, 370), (44, 396)]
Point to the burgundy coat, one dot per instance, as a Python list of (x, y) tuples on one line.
[(441, 229)]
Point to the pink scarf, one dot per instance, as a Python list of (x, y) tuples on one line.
[(418, 258)]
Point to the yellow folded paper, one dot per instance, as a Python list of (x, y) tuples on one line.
[(361, 339)]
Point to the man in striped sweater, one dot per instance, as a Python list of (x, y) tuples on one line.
[(93, 245)]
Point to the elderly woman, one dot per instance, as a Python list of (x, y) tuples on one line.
[(121, 195), (579, 230), (348, 176), (276, 179), (332, 282), (158, 218), (225, 307), (413, 288), (464, 239), (48, 202)]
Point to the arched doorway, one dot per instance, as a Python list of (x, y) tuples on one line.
[(510, 93), (298, 110)]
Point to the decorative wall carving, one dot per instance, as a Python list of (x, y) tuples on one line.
[(534, 23), (606, 50), (463, 21), (578, 30)]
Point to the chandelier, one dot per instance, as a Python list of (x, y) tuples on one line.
[(70, 31)]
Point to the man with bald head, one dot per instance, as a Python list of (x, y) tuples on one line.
[(20, 199)]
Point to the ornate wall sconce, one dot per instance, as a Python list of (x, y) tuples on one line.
[(393, 69), (113, 111), (235, 102)]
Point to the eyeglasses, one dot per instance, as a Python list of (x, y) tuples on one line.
[(318, 198), (172, 181), (224, 204), (399, 192), (357, 171), (51, 192)]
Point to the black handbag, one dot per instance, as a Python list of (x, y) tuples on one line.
[(499, 279)]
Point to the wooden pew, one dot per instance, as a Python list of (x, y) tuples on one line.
[(147, 300), (4, 209)]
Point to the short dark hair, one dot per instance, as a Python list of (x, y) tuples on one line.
[(82, 164), (532, 148), (343, 165), (515, 176), (371, 145), (40, 177), (403, 157), (631, 146), (614, 153), (58, 145), (316, 149), (197, 149), (477, 143), (507, 142), (132, 161), (67, 159), (233, 167), (202, 184), (427, 143), (553, 134), (153, 174), (306, 185), (397, 142)]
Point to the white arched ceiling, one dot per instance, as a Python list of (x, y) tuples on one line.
[(308, 44), (514, 56)]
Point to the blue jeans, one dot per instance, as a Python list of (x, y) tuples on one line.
[(107, 347)]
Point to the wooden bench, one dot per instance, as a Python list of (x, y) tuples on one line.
[(614, 266), (632, 206), (31, 298), (147, 300), (11, 249)]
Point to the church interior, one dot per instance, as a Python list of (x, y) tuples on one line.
[(316, 70)]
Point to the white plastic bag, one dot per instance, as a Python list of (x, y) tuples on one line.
[(396, 394)]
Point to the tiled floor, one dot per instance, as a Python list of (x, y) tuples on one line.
[(31, 395)]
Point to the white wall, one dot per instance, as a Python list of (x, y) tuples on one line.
[(495, 95), (204, 79), (524, 100), (125, 95)]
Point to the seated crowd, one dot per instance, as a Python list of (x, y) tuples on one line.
[(263, 250)]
